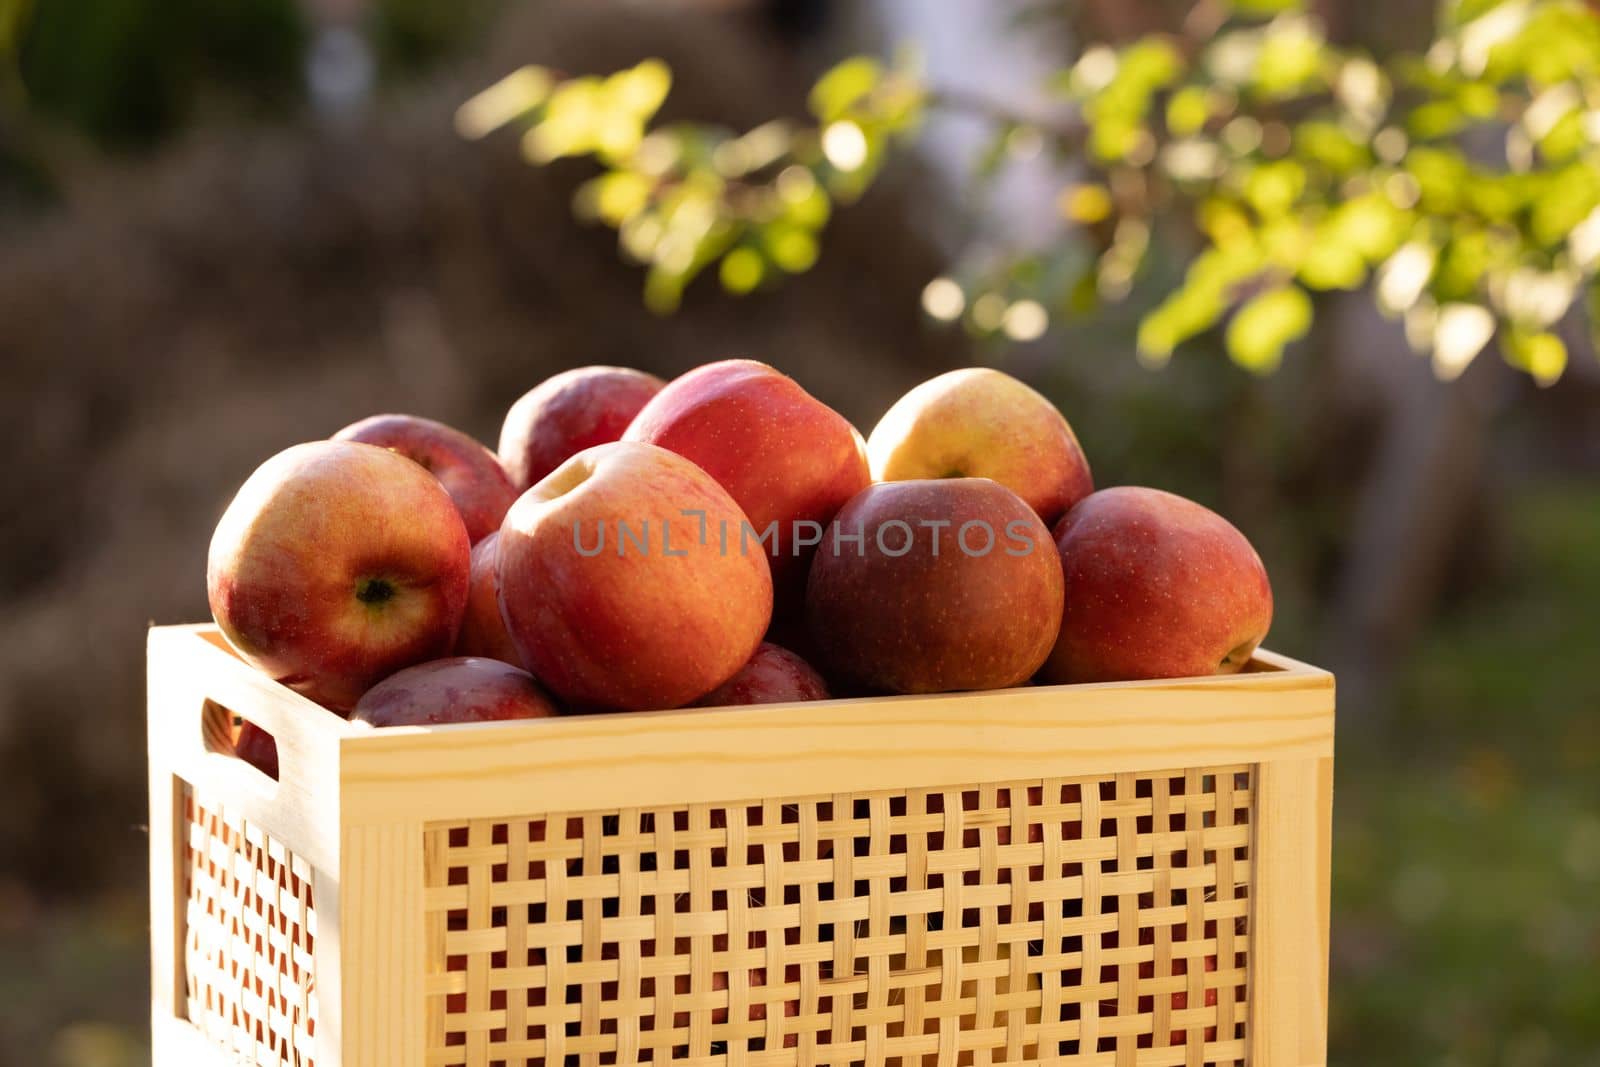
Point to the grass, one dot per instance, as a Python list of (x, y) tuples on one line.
[(1467, 844)]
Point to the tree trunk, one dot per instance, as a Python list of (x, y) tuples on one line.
[(1415, 506)]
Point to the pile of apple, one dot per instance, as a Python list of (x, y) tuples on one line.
[(724, 538)]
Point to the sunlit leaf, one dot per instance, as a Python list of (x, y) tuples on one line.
[(1194, 308), (663, 290), (844, 86), (1093, 71), (1404, 276), (791, 247), (1266, 7), (1363, 90), (1087, 203), (1113, 138), (1462, 265), (742, 270), (640, 91), (614, 197), (1535, 299), (1272, 188), (845, 144), (1368, 224), (1331, 264), (1459, 333), (1258, 332), (1290, 56), (1478, 101), (1188, 110), (1149, 65), (805, 201), (1439, 118), (1542, 355), (505, 101), (1330, 145), (1565, 201)]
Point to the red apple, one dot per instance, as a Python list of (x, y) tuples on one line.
[(563, 415), (1157, 587), (982, 423), (460, 689), (623, 584), (256, 747), (469, 472), (951, 585), (483, 630), (336, 565), (786, 457), (774, 675)]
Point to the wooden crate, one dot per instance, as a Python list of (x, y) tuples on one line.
[(1126, 875)]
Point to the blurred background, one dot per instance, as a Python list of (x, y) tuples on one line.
[(226, 228)]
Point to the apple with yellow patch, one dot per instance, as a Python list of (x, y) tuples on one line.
[(337, 564), (983, 423)]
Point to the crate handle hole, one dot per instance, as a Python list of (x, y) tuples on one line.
[(228, 733)]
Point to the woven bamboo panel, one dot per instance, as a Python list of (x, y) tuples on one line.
[(250, 926), (1085, 921)]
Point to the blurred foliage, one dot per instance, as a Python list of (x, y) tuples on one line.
[(126, 71), (411, 35), (129, 72), (1462, 183), (685, 196)]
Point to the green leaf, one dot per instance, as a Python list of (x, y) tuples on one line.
[(791, 247), (1566, 200), (1542, 355), (1259, 331), (1191, 310), (1291, 56), (1266, 7), (1329, 145), (805, 201), (640, 91), (1188, 111), (1369, 224), (1148, 65), (843, 87), (615, 197), (1273, 188), (1462, 265), (507, 100), (663, 289), (742, 270), (1439, 118), (1329, 264)]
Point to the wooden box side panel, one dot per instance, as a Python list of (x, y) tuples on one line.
[(248, 938), (1289, 950), (1087, 920), (243, 869)]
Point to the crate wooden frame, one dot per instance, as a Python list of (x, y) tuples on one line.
[(391, 832)]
